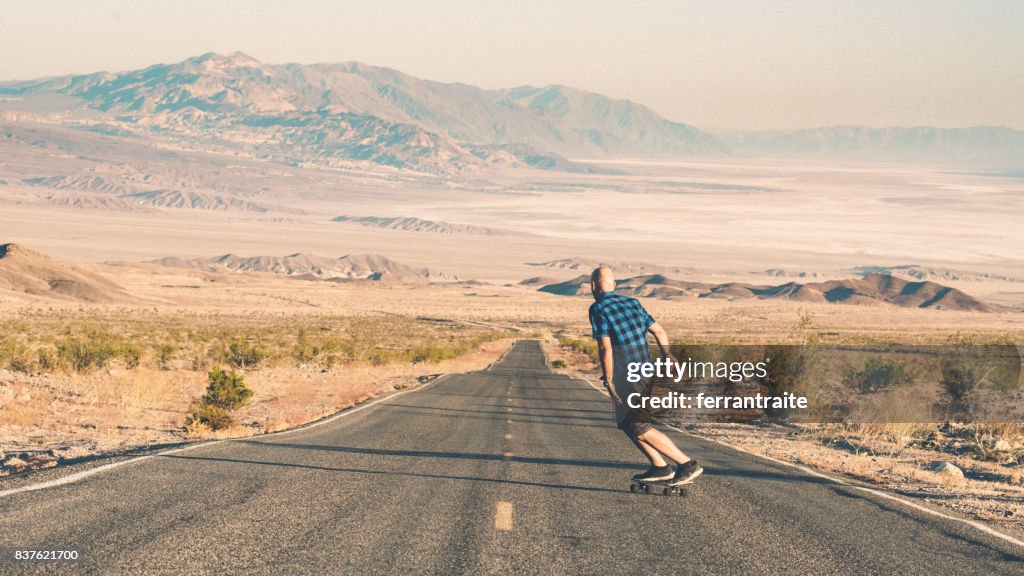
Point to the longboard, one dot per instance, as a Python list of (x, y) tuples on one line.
[(660, 485)]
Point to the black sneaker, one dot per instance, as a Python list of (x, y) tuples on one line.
[(686, 473), (654, 474)]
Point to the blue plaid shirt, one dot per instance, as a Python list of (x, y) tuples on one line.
[(625, 321)]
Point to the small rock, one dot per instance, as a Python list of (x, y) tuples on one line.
[(1001, 446), (947, 469)]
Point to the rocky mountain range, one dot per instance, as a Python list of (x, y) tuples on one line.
[(310, 266), (414, 224), (872, 289), (338, 114), (353, 111)]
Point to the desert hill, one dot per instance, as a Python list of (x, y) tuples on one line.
[(372, 267), (34, 273), (873, 289), (917, 272), (201, 201), (588, 265), (413, 224)]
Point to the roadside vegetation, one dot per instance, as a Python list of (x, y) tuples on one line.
[(44, 343), (225, 393), (92, 380)]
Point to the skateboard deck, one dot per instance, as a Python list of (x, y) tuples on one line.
[(659, 486)]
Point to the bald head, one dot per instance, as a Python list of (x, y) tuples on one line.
[(602, 281)]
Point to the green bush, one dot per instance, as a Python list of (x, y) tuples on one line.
[(970, 370), (241, 354), (95, 350), (787, 370), (82, 355), (225, 392), (130, 355), (879, 374), (165, 353), (584, 346), (558, 363), (15, 356), (213, 417)]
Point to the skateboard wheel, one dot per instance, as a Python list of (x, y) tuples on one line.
[(632, 488), (647, 488), (666, 491)]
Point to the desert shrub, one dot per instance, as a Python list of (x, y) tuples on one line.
[(558, 363), (46, 360), (584, 346), (878, 373), (130, 355), (968, 368), (225, 392), (226, 389), (432, 352), (165, 354), (81, 355), (788, 368), (205, 415), (322, 351), (15, 356), (241, 354), (96, 349)]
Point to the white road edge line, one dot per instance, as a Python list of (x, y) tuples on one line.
[(72, 478), (841, 482)]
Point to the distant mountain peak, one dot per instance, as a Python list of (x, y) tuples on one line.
[(233, 59)]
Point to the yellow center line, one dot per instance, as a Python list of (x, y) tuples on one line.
[(503, 516)]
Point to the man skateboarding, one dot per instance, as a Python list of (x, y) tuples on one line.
[(620, 326)]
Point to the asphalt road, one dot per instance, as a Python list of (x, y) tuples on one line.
[(513, 470)]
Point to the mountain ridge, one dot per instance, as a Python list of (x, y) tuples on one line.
[(334, 114), (355, 111), (871, 289)]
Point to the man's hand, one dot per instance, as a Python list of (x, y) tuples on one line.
[(611, 390)]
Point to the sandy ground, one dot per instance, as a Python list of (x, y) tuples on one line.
[(724, 220)]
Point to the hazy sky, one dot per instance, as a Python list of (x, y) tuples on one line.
[(715, 64)]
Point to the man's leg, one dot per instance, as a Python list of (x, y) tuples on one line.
[(653, 455), (658, 442)]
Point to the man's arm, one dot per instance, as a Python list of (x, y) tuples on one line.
[(604, 353), (661, 337)]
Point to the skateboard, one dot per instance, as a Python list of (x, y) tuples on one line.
[(660, 486)]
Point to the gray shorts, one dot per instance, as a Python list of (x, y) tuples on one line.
[(632, 421)]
